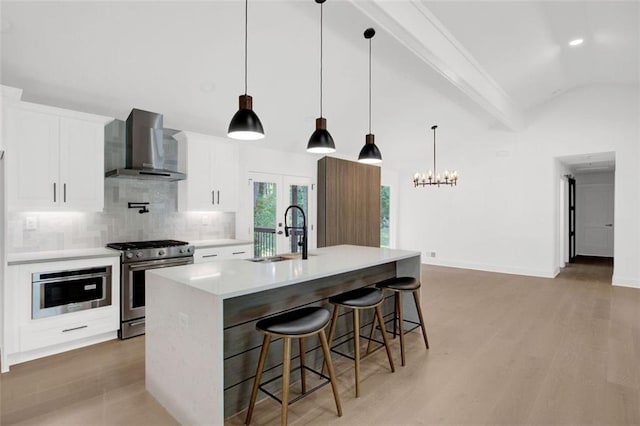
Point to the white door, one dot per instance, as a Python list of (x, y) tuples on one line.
[(595, 220), (271, 195)]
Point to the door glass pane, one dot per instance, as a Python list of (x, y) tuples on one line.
[(298, 195), (385, 192), (264, 219)]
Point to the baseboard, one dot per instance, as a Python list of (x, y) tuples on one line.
[(493, 268), (625, 282)]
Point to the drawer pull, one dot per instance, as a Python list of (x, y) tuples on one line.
[(209, 255), (134, 324), (74, 328), (239, 252)]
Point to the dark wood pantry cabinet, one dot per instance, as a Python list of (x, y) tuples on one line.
[(348, 203)]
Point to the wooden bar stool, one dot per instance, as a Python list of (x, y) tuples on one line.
[(298, 324), (357, 300), (400, 285)]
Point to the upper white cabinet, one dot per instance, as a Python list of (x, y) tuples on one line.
[(55, 159), (211, 165)]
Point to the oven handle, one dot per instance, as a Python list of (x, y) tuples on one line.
[(154, 264)]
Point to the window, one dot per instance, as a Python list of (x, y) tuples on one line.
[(385, 222)]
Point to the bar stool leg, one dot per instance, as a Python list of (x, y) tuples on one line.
[(400, 325), (416, 298), (256, 383), (373, 327), (395, 315), (303, 375), (356, 347), (332, 331), (286, 372), (384, 337), (332, 376)]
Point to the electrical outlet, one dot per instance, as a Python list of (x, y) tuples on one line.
[(205, 220), (31, 223), (183, 320), (429, 254)]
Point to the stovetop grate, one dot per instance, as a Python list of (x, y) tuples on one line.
[(138, 245)]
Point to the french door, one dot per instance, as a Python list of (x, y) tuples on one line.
[(271, 195)]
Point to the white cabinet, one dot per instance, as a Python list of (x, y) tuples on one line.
[(27, 338), (211, 165), (210, 254), (55, 159)]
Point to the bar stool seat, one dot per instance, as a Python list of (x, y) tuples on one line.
[(366, 297), (356, 300), (401, 285), (293, 323), (296, 324)]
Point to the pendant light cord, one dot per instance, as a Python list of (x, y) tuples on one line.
[(369, 86), (321, 16), (434, 152), (246, 36)]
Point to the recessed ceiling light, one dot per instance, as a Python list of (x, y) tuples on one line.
[(576, 42)]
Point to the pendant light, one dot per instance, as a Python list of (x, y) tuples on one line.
[(245, 124), (370, 154), (321, 141)]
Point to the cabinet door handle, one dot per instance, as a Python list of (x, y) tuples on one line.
[(239, 252), (213, 196), (74, 328), (218, 191), (54, 192), (64, 191), (209, 255)]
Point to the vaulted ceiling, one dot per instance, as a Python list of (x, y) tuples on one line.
[(490, 61)]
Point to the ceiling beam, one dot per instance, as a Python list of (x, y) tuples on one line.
[(411, 23)]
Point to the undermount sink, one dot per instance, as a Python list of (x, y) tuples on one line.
[(279, 258), (269, 259)]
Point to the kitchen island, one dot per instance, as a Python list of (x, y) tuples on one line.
[(201, 343)]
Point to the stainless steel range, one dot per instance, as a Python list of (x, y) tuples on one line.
[(137, 257)]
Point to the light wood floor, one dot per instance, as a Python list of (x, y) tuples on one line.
[(505, 349)]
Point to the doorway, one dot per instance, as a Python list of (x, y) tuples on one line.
[(271, 194)]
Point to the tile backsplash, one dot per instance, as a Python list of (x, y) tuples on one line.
[(35, 231), (56, 231)]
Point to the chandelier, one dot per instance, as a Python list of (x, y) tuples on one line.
[(433, 177)]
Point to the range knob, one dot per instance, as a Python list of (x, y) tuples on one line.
[(161, 253), (181, 251), (129, 255), (139, 254), (189, 249)]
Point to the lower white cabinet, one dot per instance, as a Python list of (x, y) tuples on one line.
[(210, 254), (27, 338)]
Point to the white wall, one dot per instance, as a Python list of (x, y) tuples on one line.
[(504, 214)]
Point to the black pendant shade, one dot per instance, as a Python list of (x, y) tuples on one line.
[(370, 154), (245, 124), (321, 141)]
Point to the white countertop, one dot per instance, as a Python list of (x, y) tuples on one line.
[(222, 242), (55, 255), (237, 277)]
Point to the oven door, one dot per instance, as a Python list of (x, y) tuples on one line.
[(133, 282)]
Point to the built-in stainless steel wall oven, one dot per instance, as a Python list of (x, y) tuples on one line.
[(136, 258)]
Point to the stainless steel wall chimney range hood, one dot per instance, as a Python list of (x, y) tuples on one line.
[(144, 150)]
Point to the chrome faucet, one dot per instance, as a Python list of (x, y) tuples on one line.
[(303, 227)]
